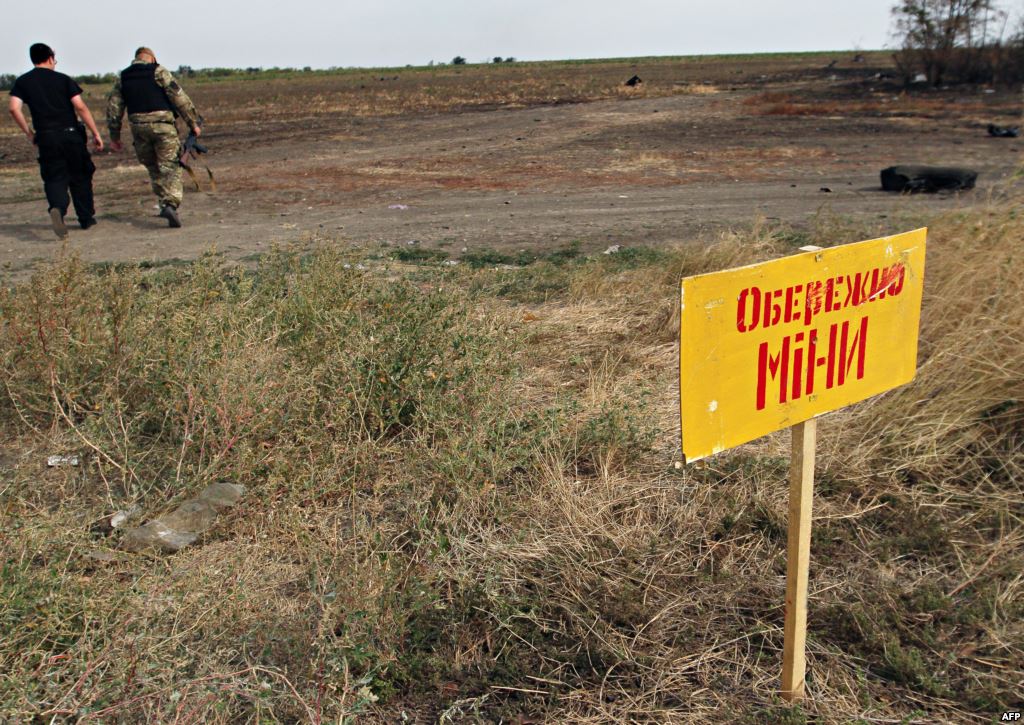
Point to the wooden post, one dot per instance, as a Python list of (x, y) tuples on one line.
[(798, 557)]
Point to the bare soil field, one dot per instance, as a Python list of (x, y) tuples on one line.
[(527, 156)]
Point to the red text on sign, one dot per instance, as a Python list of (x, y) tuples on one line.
[(801, 303), (794, 369)]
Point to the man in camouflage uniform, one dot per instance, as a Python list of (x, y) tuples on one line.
[(153, 99)]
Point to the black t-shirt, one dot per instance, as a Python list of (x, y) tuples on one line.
[(48, 95)]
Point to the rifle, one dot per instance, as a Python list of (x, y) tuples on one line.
[(190, 151)]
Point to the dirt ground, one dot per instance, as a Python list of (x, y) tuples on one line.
[(531, 156)]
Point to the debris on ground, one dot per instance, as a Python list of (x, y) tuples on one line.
[(106, 525), (928, 179), (614, 249), (401, 207), (825, 189), (122, 517), (1003, 131), (59, 460), (176, 530), (633, 82)]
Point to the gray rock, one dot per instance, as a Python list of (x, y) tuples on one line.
[(157, 535), (222, 495), (174, 531)]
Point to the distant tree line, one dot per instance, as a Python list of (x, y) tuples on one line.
[(7, 79), (957, 41), (183, 71), (97, 78), (459, 60), (187, 71)]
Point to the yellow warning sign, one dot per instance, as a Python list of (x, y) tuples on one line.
[(770, 345)]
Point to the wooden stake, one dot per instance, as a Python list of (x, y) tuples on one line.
[(798, 557)]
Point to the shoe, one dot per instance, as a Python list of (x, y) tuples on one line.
[(57, 220), (86, 223), (169, 213)]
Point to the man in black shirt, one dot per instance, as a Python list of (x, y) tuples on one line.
[(64, 162)]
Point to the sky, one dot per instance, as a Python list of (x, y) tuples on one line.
[(101, 36)]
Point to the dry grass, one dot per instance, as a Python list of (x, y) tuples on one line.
[(696, 89), (884, 103), (517, 545)]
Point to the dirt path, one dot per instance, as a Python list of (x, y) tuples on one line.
[(641, 171)]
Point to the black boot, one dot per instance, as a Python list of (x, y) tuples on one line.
[(57, 221), (169, 213)]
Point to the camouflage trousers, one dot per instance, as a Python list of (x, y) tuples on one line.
[(156, 146)]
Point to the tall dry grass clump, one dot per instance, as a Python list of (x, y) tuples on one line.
[(962, 418), (353, 408)]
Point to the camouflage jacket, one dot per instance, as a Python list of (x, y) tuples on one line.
[(175, 94)]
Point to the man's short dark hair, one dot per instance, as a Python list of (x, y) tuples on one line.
[(40, 53)]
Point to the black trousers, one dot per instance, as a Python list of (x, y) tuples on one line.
[(65, 165)]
